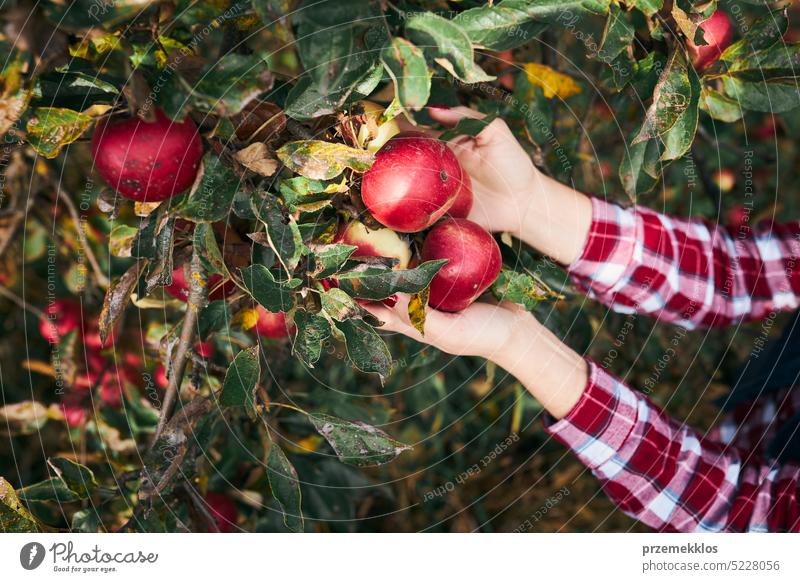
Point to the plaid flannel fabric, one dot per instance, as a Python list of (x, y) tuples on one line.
[(655, 468), (688, 272)]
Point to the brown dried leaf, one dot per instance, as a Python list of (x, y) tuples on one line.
[(117, 297), (260, 121), (256, 158)]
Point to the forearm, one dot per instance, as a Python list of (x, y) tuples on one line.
[(552, 372), (553, 218)]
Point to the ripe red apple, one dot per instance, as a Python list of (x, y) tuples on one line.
[(505, 60), (725, 179), (271, 324), (224, 511), (474, 263), (179, 288), (111, 391), (463, 204), (382, 242), (160, 377), (413, 182), (718, 34), (147, 162), (205, 350), (73, 407), (63, 317)]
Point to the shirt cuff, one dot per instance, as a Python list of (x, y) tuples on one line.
[(601, 421), (609, 247)]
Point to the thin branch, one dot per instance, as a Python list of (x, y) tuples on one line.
[(11, 296), (197, 299), (101, 278), (201, 506)]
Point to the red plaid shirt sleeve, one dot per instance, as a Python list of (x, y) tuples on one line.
[(666, 475), (689, 272)]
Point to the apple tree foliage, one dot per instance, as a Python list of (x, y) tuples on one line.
[(602, 94)]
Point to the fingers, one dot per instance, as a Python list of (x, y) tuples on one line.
[(453, 115)]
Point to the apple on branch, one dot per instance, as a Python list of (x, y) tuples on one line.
[(718, 34), (147, 161)]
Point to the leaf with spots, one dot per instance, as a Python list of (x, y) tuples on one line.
[(357, 443), (51, 128), (14, 517), (322, 160), (285, 488)]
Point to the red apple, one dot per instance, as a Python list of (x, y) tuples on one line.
[(147, 162), (463, 204), (271, 324), (381, 242), (224, 511), (205, 350), (767, 129), (413, 182), (63, 317), (73, 407), (160, 377), (505, 60), (474, 263), (179, 288), (718, 34), (111, 391)]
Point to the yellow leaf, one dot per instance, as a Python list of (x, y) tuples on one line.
[(416, 309), (552, 83), (248, 317)]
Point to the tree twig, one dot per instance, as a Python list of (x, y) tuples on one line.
[(11, 296), (101, 278), (196, 301), (201, 506)]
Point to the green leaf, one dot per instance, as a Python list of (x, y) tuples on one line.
[(121, 239), (215, 317), (448, 45), (322, 160), (506, 25), (672, 96), (777, 63), (327, 260), (467, 126), (365, 348), (339, 305), (78, 478), (241, 380), (285, 488), (678, 139), (14, 517), (51, 128), (357, 443), (649, 7), (271, 294), (615, 46), (765, 97), (764, 33), (720, 106), (375, 283), (406, 65), (299, 191), (53, 489), (312, 331), (634, 171), (230, 82), (212, 198), (283, 235), (338, 44), (519, 288)]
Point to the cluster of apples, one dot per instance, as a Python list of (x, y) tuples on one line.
[(96, 370), (416, 183)]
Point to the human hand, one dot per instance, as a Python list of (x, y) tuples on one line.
[(503, 176), (505, 334)]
